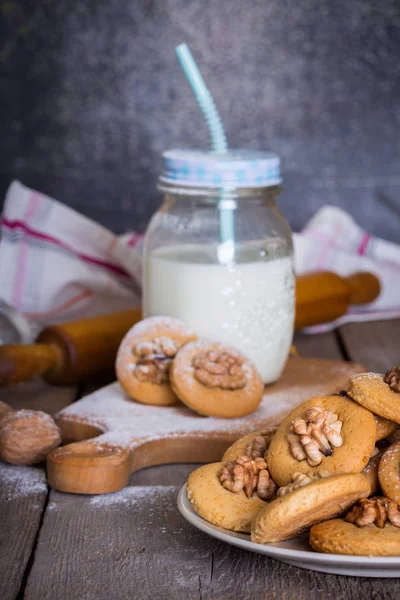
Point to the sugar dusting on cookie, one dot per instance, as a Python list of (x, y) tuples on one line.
[(363, 376)]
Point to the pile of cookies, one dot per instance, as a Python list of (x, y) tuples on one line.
[(331, 467), (161, 361)]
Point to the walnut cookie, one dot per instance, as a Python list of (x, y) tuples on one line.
[(144, 359), (379, 393), (301, 506), (229, 494), (253, 444), (371, 528), (330, 433), (214, 380)]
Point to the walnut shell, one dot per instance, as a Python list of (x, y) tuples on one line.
[(27, 437), (4, 409)]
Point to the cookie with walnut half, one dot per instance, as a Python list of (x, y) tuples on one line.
[(331, 433), (230, 494), (144, 359), (253, 444), (379, 393), (371, 528), (215, 380)]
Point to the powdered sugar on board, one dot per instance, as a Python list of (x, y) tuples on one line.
[(129, 423)]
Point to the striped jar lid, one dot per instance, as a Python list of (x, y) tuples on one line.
[(234, 169)]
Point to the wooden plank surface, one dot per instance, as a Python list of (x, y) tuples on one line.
[(23, 492), (374, 344), (135, 544)]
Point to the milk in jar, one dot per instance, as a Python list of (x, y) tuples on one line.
[(249, 305)]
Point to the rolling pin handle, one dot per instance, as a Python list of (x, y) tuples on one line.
[(364, 287), (20, 362)]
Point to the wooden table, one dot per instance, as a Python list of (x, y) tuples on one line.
[(135, 544)]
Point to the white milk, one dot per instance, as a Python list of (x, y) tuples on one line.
[(249, 306)]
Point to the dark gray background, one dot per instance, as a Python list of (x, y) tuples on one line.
[(91, 94)]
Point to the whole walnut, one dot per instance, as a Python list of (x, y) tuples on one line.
[(4, 410), (27, 437)]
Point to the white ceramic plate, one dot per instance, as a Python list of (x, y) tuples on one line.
[(296, 552)]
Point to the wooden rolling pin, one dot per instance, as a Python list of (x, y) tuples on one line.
[(68, 353)]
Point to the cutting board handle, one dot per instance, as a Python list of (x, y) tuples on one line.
[(89, 467)]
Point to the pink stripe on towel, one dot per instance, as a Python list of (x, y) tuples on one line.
[(363, 244), (16, 224), (33, 203)]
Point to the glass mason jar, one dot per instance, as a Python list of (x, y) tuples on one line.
[(218, 254)]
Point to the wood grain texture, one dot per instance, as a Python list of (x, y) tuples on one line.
[(23, 492), (374, 344), (38, 395), (134, 543)]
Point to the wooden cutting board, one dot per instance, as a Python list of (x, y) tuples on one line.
[(126, 436)]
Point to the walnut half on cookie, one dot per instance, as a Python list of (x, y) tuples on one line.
[(144, 359), (253, 444), (314, 436), (249, 475), (215, 380)]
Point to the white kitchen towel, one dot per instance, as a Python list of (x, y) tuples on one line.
[(57, 265), (332, 241)]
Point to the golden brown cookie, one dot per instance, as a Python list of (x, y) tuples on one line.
[(371, 528), (384, 428), (339, 537), (218, 505), (335, 435), (144, 359), (253, 444), (215, 380), (371, 391), (290, 515), (389, 472)]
